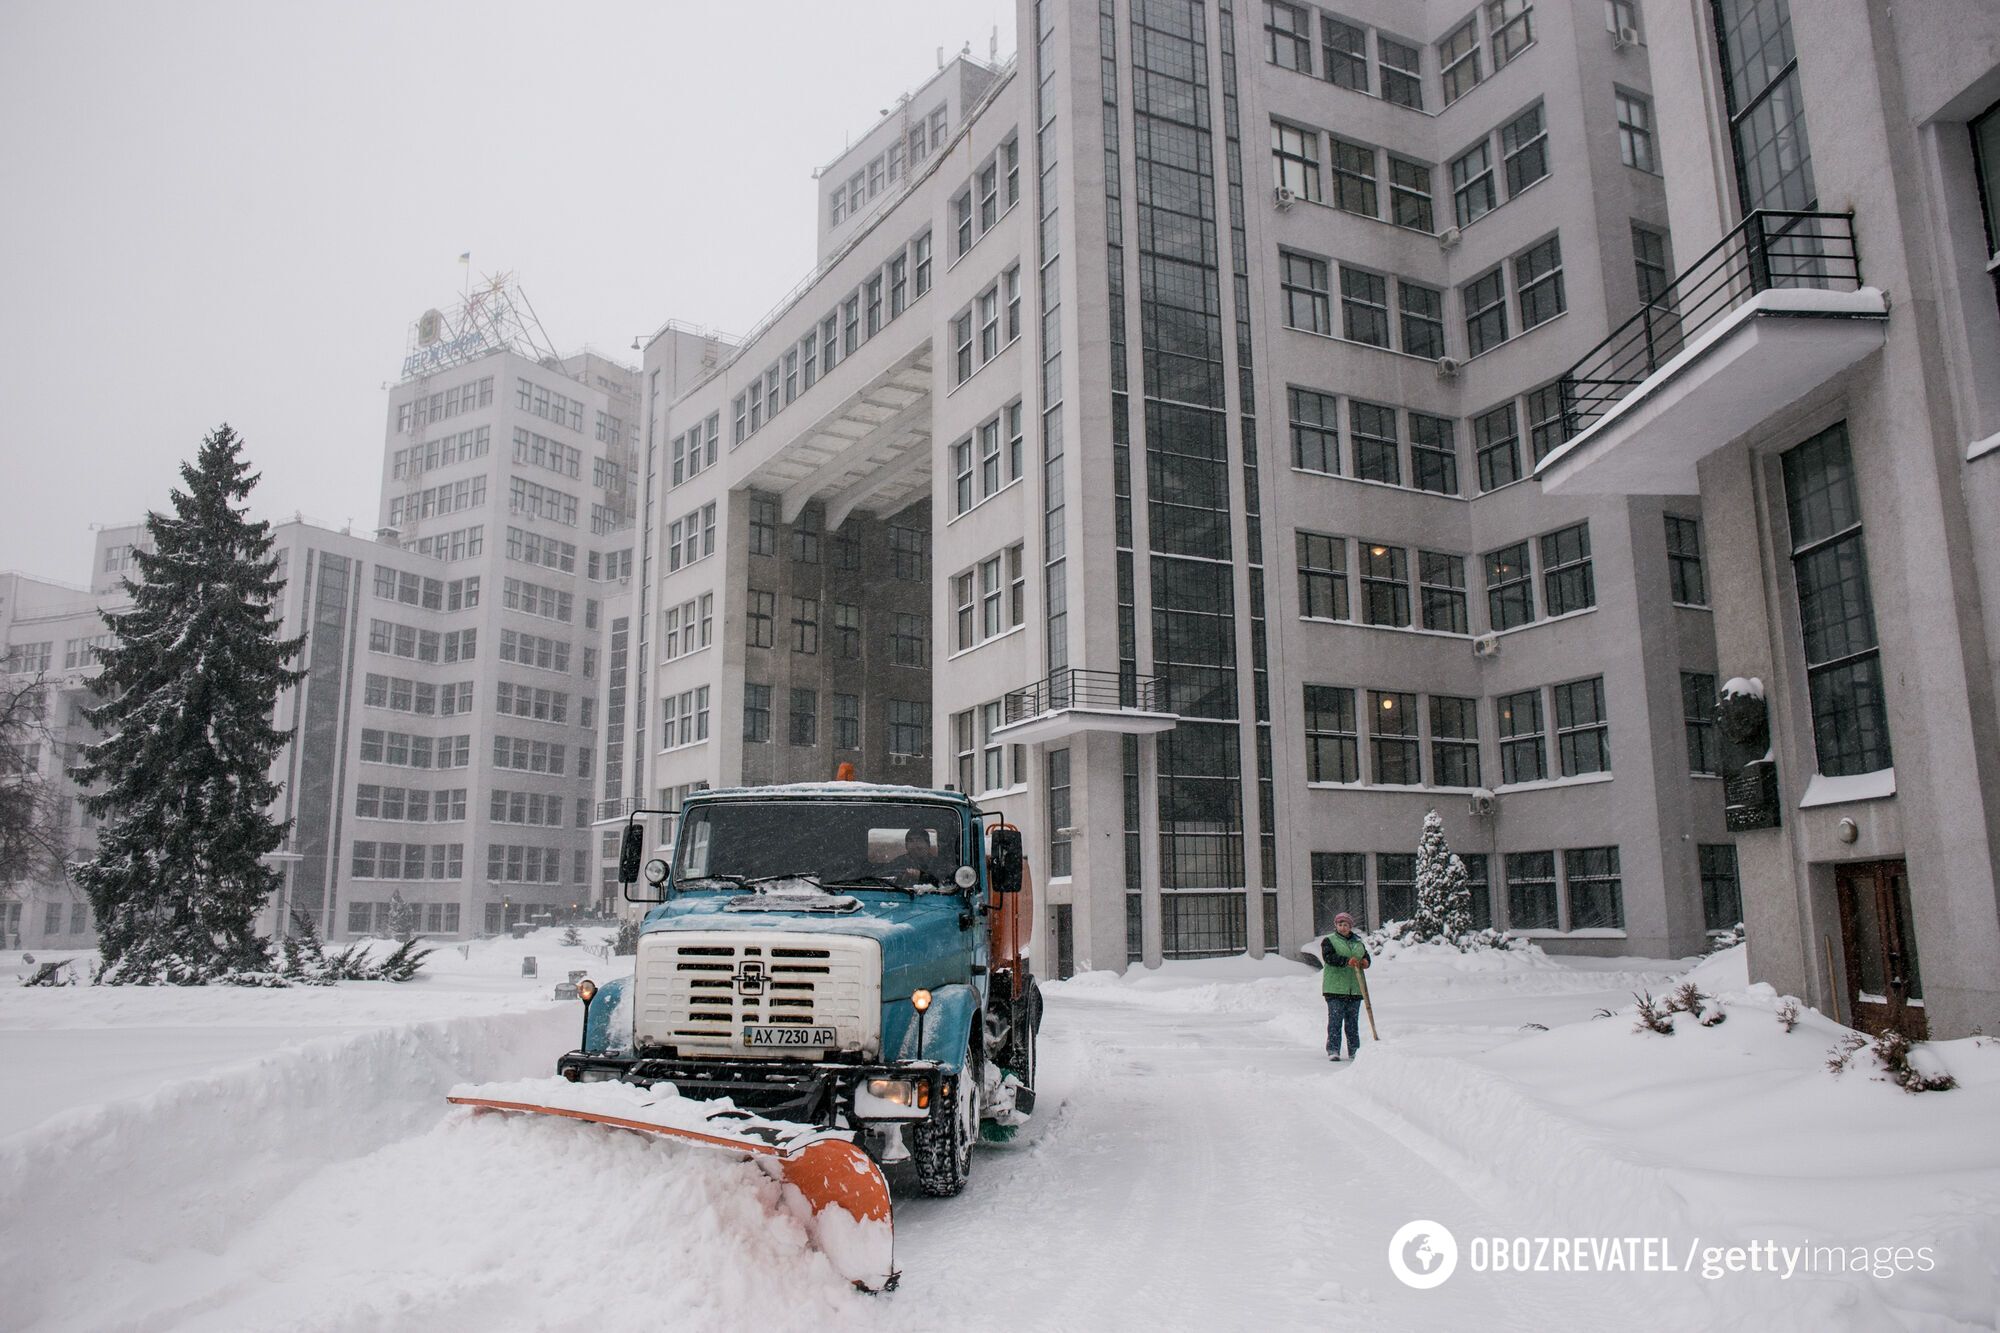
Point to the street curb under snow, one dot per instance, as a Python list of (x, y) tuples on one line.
[(188, 1165)]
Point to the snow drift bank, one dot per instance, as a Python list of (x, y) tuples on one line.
[(1728, 1135), (102, 1192)]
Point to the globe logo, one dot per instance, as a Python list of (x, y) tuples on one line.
[(1422, 1254)]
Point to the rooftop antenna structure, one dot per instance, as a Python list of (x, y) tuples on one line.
[(493, 316)]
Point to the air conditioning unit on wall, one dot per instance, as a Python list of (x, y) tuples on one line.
[(1484, 803), (1447, 367), (1626, 36), (1284, 196), (1486, 645), (1448, 238)]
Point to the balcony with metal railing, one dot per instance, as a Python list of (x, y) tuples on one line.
[(1075, 700), (1774, 311)]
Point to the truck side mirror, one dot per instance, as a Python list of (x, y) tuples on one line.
[(632, 853), (1003, 860)]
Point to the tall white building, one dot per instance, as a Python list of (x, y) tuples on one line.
[(1195, 374)]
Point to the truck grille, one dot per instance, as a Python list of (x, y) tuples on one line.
[(697, 991)]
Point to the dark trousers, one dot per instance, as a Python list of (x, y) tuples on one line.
[(1343, 1014)]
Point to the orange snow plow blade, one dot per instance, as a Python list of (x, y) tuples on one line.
[(845, 1193)]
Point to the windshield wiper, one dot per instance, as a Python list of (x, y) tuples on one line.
[(805, 875), (733, 881), (859, 881)]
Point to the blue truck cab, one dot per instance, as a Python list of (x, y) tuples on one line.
[(846, 955)]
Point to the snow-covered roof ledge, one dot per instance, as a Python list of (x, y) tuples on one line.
[(1761, 357), (1823, 790)]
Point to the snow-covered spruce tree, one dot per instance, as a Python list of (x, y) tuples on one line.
[(182, 774), (1444, 890), (402, 917)]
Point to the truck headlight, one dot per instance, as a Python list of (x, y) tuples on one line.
[(901, 1092)]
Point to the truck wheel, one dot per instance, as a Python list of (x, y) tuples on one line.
[(942, 1143)]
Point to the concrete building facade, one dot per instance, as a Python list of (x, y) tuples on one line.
[(1838, 403), (1197, 378)]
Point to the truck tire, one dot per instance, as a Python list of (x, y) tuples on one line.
[(941, 1144)]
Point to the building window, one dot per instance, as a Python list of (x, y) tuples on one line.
[(989, 324), (1332, 744), (1315, 430), (1721, 891), (1512, 24), (1307, 302), (1410, 194), (1538, 279), (1510, 588), (1480, 887), (1836, 610), (961, 332), (909, 720), (1396, 885), (1583, 742), (989, 458), (1566, 579), (760, 614), (1394, 752), (1295, 160), (1289, 31), (1458, 60), (1472, 190), (846, 629), (756, 712), (1649, 263), (1059, 814), (1635, 131), (1497, 440), (846, 721), (1353, 178), (1766, 113), (909, 553), (1433, 454), (805, 625), (1523, 757), (1524, 149), (1548, 424), (921, 248), (1596, 897), (1376, 456), (805, 717), (1531, 891), (1364, 306), (906, 642), (1385, 585), (1454, 741), (1485, 300), (1322, 576), (992, 615), (763, 526), (1339, 884), (961, 468), (1684, 566), (1344, 48), (1422, 317), (1441, 581), (1402, 72), (1698, 704)]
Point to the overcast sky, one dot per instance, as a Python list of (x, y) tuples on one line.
[(233, 212)]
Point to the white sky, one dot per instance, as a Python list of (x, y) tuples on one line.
[(232, 212)]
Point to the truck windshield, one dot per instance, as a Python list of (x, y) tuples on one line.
[(855, 844)]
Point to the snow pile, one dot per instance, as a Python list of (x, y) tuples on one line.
[(1732, 1134)]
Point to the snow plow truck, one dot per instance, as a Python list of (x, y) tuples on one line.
[(834, 978)]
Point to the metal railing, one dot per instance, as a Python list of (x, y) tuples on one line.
[(1077, 688), (1769, 248)]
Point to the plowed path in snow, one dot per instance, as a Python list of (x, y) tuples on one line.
[(1186, 1171), (1200, 1171)]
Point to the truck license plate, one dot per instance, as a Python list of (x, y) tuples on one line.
[(789, 1036)]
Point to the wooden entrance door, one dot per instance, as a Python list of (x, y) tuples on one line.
[(1884, 987)]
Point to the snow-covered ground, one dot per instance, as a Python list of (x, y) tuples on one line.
[(282, 1159)]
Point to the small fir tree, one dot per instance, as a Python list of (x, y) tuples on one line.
[(1444, 890), (402, 917), (183, 773)]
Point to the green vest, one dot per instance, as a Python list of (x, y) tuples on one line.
[(1340, 980)]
